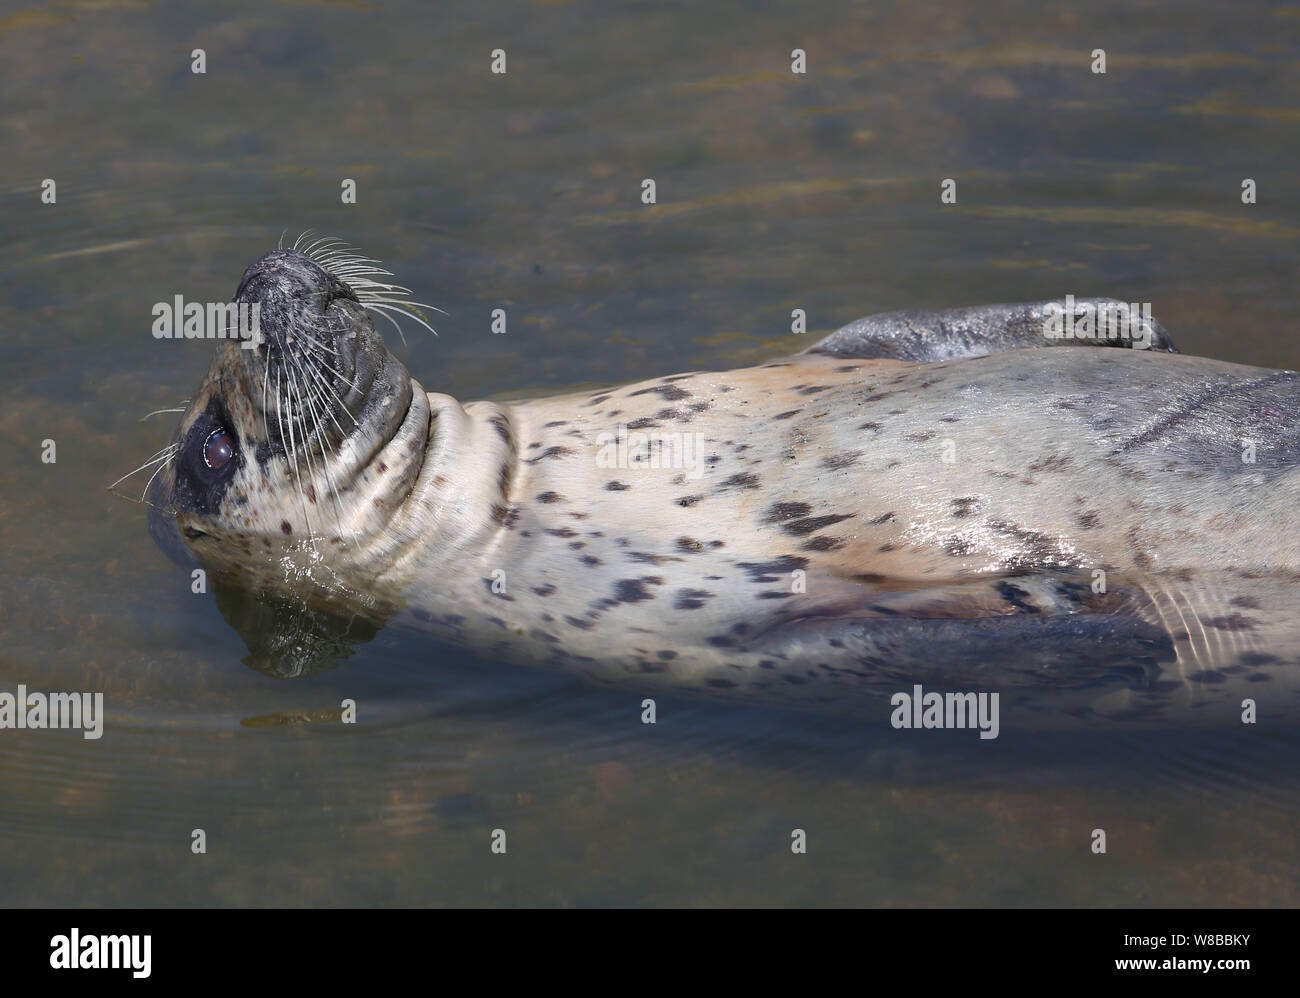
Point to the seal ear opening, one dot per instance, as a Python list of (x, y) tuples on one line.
[(286, 638)]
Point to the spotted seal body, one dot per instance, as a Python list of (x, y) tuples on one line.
[(922, 497)]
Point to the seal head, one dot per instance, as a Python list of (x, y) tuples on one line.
[(308, 441)]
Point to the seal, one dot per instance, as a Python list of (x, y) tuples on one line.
[(956, 498)]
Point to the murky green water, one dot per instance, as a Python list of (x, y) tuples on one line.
[(522, 191)]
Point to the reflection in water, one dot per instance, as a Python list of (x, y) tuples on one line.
[(522, 192)]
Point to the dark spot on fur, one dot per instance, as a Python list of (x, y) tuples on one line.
[(1016, 597), (506, 517), (964, 507), (742, 481), (591, 561), (634, 590), (689, 545), (500, 424), (920, 438), (1038, 550), (545, 590), (285, 527), (669, 393), (841, 460), (555, 422), (548, 453), (958, 547), (813, 389), (549, 497), (691, 599), (763, 571), (651, 559), (1246, 602), (1055, 462), (824, 544), (689, 500), (644, 423), (616, 487), (802, 528), (869, 426), (780, 511), (579, 623), (1089, 520), (787, 415)]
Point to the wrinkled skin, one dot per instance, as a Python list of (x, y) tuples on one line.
[(921, 497)]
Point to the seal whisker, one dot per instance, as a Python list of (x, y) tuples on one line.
[(381, 309), (161, 464), (164, 455), (395, 326), (321, 388), (327, 452), (183, 406), (363, 275), (312, 396), (291, 450)]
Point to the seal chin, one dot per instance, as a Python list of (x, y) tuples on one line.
[(312, 437)]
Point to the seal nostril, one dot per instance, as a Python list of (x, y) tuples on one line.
[(339, 289)]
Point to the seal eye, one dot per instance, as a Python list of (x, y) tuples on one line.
[(218, 449)]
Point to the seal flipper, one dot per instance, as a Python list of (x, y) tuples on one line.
[(1044, 669), (1015, 653), (926, 337)]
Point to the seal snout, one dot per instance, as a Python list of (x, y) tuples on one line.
[(313, 368), (294, 295)]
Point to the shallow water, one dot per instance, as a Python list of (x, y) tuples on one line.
[(522, 191)]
